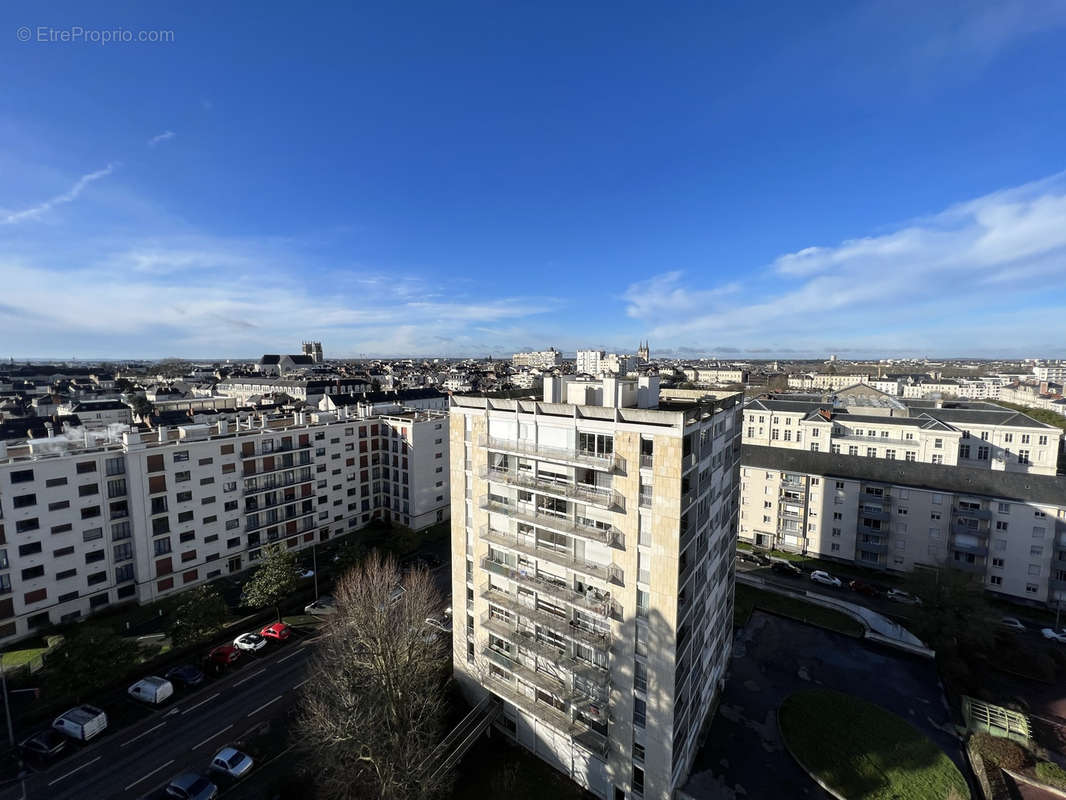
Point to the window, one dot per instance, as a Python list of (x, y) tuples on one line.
[(982, 453), (97, 577), (124, 573), (27, 525), (834, 547), (181, 455), (938, 443), (964, 451), (86, 466), (1031, 588), (123, 552), (94, 556), (640, 712), (1038, 532), (25, 501), (1034, 569), (32, 572), (643, 603), (910, 455), (161, 546), (1001, 525), (1023, 456), (1004, 508), (29, 549), (22, 476), (120, 530), (1036, 550), (88, 490), (52, 482), (92, 534), (995, 580)]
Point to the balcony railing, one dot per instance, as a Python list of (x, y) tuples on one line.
[(545, 712), (527, 512), (285, 463), (645, 499), (958, 528), (277, 483), (586, 602), (541, 680), (566, 455), (978, 564), (976, 513), (872, 545), (527, 545), (875, 513), (646, 461), (594, 495), (978, 549), (563, 626), (279, 521)]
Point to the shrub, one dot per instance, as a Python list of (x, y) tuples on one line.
[(1001, 752), (1051, 774)]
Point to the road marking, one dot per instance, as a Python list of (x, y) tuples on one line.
[(301, 683), (208, 700), (267, 703), (149, 775), (295, 652), (76, 769), (254, 674), (173, 711), (140, 735), (212, 736)]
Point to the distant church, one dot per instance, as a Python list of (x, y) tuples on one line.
[(644, 352)]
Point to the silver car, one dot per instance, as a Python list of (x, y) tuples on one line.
[(231, 761)]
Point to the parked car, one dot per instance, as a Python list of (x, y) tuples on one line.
[(900, 596), (824, 578), (786, 569), (153, 690), (322, 607), (860, 587), (191, 786), (224, 654), (1013, 623), (276, 630), (43, 745), (250, 641), (1054, 635), (304, 574), (232, 762), (82, 723), (753, 558), (185, 675)]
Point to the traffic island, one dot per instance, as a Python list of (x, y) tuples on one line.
[(856, 750)]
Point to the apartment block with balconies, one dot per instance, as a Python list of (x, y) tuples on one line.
[(99, 518), (592, 541), (1007, 528)]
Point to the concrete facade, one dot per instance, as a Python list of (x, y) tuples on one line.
[(592, 568)]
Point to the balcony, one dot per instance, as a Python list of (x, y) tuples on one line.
[(527, 512), (873, 545), (541, 584), (582, 493), (541, 680), (1056, 584), (544, 712), (276, 483), (284, 463), (688, 462), (958, 528), (871, 512), (975, 513), (261, 451), (562, 626), (976, 549), (565, 455), (977, 565), (645, 461), (527, 545), (645, 499), (281, 521), (867, 530)]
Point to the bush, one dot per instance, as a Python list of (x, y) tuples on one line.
[(1051, 774), (1000, 752)]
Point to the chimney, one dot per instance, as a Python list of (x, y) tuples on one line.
[(49, 430), (3, 450), (162, 433), (223, 426)]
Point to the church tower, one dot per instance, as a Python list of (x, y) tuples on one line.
[(643, 352)]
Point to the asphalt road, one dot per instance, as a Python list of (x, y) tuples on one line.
[(139, 760)]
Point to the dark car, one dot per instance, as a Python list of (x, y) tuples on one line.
[(786, 569), (860, 587), (185, 675), (191, 786), (753, 558), (224, 654), (44, 745)]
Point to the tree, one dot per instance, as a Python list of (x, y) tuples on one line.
[(202, 611), (954, 615), (141, 406), (375, 706), (351, 551), (273, 581), (88, 657)]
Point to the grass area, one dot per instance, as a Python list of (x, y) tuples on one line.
[(865, 753), (495, 767), (748, 598)]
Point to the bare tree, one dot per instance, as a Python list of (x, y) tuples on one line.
[(376, 702)]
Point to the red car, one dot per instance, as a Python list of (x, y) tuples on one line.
[(277, 630), (863, 588), (224, 654)]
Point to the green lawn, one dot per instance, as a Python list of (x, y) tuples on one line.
[(865, 753), (748, 598)]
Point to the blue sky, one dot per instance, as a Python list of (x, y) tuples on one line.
[(864, 178)]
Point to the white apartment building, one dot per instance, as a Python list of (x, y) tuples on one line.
[(716, 375), (1054, 373), (588, 362), (89, 519), (860, 422), (1009, 528), (592, 572), (540, 359), (246, 387), (820, 380)]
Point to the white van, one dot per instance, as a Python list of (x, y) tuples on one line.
[(152, 690), (82, 723)]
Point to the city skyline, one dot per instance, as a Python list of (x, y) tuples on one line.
[(462, 193)]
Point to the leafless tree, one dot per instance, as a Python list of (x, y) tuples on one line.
[(375, 704)]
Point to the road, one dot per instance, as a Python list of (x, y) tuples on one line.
[(139, 760)]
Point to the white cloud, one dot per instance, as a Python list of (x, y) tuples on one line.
[(921, 283), (68, 196), (161, 137)]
